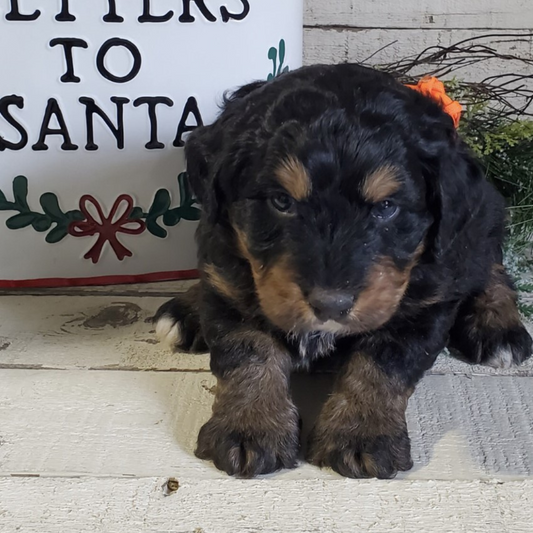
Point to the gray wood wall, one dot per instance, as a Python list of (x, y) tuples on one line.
[(352, 30)]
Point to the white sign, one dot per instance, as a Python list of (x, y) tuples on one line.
[(96, 100)]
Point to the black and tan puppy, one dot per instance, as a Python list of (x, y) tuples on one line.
[(343, 219)]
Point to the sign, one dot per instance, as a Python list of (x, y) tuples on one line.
[(96, 102)]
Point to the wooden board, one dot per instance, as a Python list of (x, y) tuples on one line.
[(95, 416), (160, 288), (336, 45), (263, 506), (115, 333), (123, 424), (428, 14), (91, 332)]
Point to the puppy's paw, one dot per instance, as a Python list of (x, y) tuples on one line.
[(357, 456), (497, 348), (506, 348), (177, 325), (247, 453)]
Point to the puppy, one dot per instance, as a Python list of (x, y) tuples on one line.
[(343, 220)]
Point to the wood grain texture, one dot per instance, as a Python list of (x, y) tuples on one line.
[(115, 333), (351, 45), (266, 506), (140, 424), (91, 332), (161, 288), (427, 14), (95, 416)]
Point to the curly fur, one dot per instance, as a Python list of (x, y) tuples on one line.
[(386, 247)]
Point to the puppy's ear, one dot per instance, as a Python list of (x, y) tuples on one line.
[(209, 161), (200, 152), (459, 196)]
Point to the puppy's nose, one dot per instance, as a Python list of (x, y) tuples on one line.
[(330, 305)]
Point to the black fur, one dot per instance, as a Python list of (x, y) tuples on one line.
[(343, 123)]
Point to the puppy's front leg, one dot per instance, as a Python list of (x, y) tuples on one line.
[(361, 431), (254, 427)]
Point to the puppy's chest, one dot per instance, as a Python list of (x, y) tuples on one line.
[(311, 346)]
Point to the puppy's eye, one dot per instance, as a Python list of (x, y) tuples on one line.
[(282, 202), (385, 210)]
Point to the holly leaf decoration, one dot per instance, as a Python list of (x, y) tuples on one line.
[(41, 223), (158, 209), (136, 213), (281, 53), (22, 220), (4, 204), (50, 205), (172, 217), (61, 229), (56, 235), (53, 215), (185, 189), (155, 229), (273, 56), (160, 204), (190, 213), (74, 216), (20, 192)]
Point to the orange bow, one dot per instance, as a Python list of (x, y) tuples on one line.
[(434, 89)]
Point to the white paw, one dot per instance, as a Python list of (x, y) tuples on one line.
[(503, 358), (168, 331)]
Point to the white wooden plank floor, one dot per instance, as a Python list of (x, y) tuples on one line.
[(95, 418)]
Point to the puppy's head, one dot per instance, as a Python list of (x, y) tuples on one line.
[(333, 195)]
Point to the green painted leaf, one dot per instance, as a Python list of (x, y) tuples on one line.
[(273, 56), (74, 216), (20, 192), (172, 217), (4, 204), (160, 204), (23, 220), (57, 234), (155, 229), (185, 188), (190, 213), (41, 223), (136, 213), (281, 52), (50, 205)]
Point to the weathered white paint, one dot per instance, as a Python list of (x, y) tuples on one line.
[(263, 506), (127, 289), (85, 332), (428, 14), (115, 332), (146, 423)]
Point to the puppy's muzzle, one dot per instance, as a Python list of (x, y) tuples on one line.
[(330, 304)]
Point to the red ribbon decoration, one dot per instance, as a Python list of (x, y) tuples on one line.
[(105, 228)]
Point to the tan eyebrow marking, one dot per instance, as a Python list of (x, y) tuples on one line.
[(293, 176), (381, 184)]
